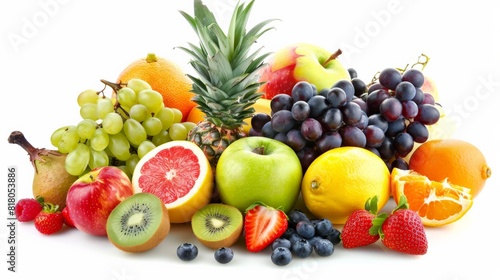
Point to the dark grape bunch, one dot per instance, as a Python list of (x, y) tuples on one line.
[(386, 117)]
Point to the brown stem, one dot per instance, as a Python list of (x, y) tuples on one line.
[(332, 57), (17, 137), (115, 86)]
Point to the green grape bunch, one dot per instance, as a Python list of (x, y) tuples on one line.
[(118, 130)]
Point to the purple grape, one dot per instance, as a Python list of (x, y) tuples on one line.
[(352, 136), (363, 122), (328, 141), (375, 98), (389, 78), (386, 150), (405, 91), (403, 144), (400, 164), (375, 87), (378, 120), (282, 121), (413, 76), (427, 114), (268, 131), (418, 131), (351, 113), (391, 109), (419, 96), (281, 136), (359, 86), (253, 132), (332, 119), (374, 136), (306, 157), (259, 120), (280, 102), (347, 87), (428, 99), (311, 129), (362, 104), (300, 110), (318, 105), (336, 97), (295, 140), (410, 109), (352, 73), (395, 127), (302, 91)]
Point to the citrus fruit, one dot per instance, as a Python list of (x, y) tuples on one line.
[(437, 203), (179, 173), (339, 182), (164, 76), (261, 106), (458, 161)]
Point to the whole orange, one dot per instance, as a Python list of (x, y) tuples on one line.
[(164, 76), (458, 161)]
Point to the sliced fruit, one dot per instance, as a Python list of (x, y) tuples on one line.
[(437, 203), (263, 225), (179, 174), (217, 225), (139, 223)]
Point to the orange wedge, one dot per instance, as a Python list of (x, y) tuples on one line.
[(437, 203)]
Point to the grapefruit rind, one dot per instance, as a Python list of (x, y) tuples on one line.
[(186, 202), (437, 203)]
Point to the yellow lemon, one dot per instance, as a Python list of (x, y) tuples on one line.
[(339, 181)]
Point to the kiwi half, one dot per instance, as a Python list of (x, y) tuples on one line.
[(217, 225), (139, 223)]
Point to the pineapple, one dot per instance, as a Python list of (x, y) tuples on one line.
[(228, 76)]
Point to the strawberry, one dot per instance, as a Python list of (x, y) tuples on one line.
[(356, 231), (67, 218), (263, 224), (50, 220), (403, 230)]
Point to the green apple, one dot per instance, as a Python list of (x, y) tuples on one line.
[(301, 62), (258, 169)]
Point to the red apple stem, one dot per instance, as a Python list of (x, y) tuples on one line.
[(332, 57), (17, 137)]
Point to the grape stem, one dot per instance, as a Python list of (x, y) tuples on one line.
[(115, 86), (332, 57)]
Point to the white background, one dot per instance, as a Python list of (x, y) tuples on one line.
[(51, 50)]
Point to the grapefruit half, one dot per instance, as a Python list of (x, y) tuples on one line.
[(178, 172)]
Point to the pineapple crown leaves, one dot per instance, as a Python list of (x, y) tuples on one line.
[(228, 72)]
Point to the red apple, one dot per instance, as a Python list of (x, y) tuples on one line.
[(93, 196), (301, 62)]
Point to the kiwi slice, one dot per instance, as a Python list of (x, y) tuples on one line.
[(217, 225), (138, 223)]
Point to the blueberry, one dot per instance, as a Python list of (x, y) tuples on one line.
[(187, 252), (281, 242), (223, 255), (288, 232), (333, 236), (305, 229), (323, 247), (323, 227), (294, 238), (281, 256), (302, 248), (296, 216), (314, 239)]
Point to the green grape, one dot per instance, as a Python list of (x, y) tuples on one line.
[(99, 140), (177, 115), (86, 128), (104, 107), (137, 85), (144, 148), (89, 111), (152, 99), (119, 146), (69, 140), (188, 125), (87, 96), (152, 125), (125, 170), (98, 158), (77, 160), (166, 116), (139, 112), (161, 138), (178, 132), (126, 97), (56, 136), (131, 163), (134, 132), (112, 123)]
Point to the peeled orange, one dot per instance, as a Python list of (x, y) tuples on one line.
[(458, 161), (179, 173), (437, 203)]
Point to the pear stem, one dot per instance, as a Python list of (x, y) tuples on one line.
[(17, 137), (332, 57)]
